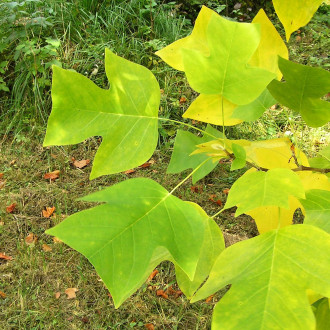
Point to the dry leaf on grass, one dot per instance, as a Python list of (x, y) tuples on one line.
[(3, 295), (149, 326), (209, 299), (52, 175), (129, 172), (5, 257), (2, 183), (161, 293), (152, 275), (71, 293), (46, 248), (31, 239), (226, 191), (48, 212), (56, 240), (1, 175), (57, 295), (81, 163), (11, 208), (213, 198), (182, 100)]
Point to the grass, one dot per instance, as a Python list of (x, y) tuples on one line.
[(32, 278)]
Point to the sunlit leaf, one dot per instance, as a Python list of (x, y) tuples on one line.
[(294, 13), (257, 188), (212, 109), (139, 226), (124, 115), (269, 276), (271, 46), (240, 157), (302, 90), (185, 144)]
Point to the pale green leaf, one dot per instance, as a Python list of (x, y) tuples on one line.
[(240, 157), (322, 314), (259, 188), (254, 110), (269, 276), (294, 14), (323, 161), (139, 226), (185, 143), (317, 208), (124, 115), (302, 90), (213, 245)]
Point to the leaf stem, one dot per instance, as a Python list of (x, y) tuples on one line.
[(188, 125), (215, 215), (188, 176)]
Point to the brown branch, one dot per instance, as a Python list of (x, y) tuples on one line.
[(314, 169)]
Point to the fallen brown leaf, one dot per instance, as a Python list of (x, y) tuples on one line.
[(57, 295), (152, 275), (71, 293), (52, 175), (3, 295), (129, 172), (149, 326), (11, 208), (5, 257), (161, 293), (226, 191), (85, 319), (196, 189), (56, 240), (31, 239), (213, 199), (1, 175), (48, 212), (12, 162), (46, 248), (147, 164), (209, 299), (182, 100), (81, 163)]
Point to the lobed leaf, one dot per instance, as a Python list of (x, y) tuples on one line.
[(271, 188), (140, 225), (302, 90), (269, 276), (294, 14), (124, 115)]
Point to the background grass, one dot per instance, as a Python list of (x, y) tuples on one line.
[(37, 34)]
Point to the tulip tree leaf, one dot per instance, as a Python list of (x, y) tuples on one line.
[(302, 90), (124, 115), (221, 55), (213, 245), (322, 313), (254, 110), (212, 109), (185, 144), (294, 14), (317, 208), (269, 276), (258, 188), (323, 160), (271, 46), (139, 226)]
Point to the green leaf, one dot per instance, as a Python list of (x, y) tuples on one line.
[(322, 314), (217, 62), (124, 115), (294, 14), (317, 208), (259, 188), (139, 226), (185, 144), (269, 276), (254, 110), (213, 245), (323, 161), (302, 90), (240, 157)]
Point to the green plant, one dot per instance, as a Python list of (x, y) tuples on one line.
[(139, 223)]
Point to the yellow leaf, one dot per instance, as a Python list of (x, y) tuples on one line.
[(213, 115), (271, 45), (295, 13), (172, 54)]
